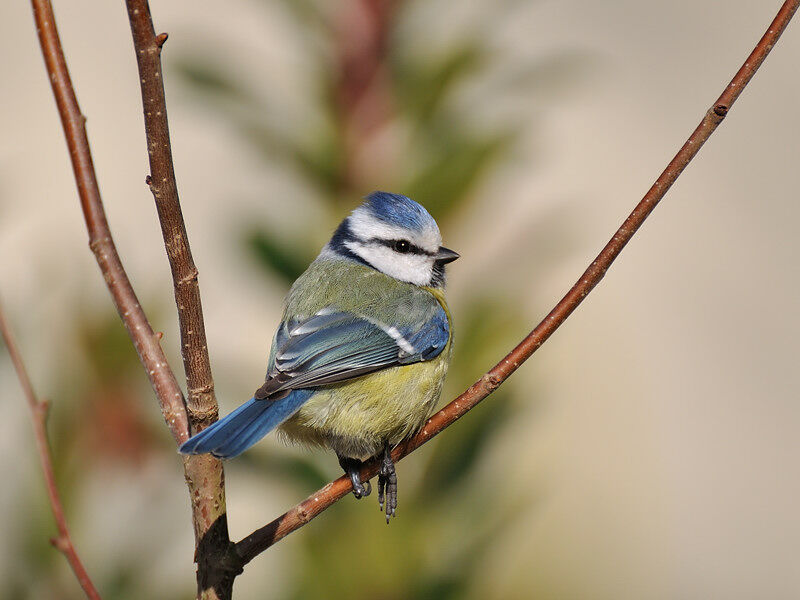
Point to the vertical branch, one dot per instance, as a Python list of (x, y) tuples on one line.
[(204, 473), (201, 402), (39, 411), (219, 561)]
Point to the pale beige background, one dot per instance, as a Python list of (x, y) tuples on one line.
[(668, 431)]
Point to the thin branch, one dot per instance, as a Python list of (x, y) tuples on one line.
[(39, 411), (201, 402), (263, 538), (144, 339), (204, 474)]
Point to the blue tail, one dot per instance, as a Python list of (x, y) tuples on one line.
[(235, 433)]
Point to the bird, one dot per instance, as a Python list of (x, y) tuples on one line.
[(358, 361)]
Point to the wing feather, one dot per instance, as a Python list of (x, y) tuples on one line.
[(333, 346)]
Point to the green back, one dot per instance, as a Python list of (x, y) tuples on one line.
[(349, 286)]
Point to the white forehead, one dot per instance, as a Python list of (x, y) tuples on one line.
[(364, 225)]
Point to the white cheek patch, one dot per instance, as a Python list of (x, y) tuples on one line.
[(413, 268)]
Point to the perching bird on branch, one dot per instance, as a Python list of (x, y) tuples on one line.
[(359, 359)]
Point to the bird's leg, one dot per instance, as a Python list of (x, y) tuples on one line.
[(351, 468), (387, 483)]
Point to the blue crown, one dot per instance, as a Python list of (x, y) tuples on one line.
[(399, 210)]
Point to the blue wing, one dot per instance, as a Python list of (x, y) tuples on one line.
[(334, 346), (328, 347), (236, 432)]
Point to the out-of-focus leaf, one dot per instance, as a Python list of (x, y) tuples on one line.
[(456, 457), (485, 327), (38, 525), (303, 471), (424, 86), (276, 257), (122, 583), (449, 177), (114, 425), (480, 334), (323, 163), (211, 80), (319, 162), (107, 346), (307, 13), (441, 586), (552, 75), (439, 160), (355, 555)]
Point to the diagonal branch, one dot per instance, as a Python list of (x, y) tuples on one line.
[(39, 411), (263, 538), (141, 333), (203, 473)]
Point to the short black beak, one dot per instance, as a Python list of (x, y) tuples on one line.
[(445, 255)]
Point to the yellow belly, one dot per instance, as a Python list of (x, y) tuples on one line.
[(357, 417)]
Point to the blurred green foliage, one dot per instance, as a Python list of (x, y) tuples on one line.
[(429, 551), (449, 506)]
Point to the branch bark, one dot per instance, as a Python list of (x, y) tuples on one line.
[(39, 410), (261, 539), (219, 561), (201, 401), (145, 341), (204, 473)]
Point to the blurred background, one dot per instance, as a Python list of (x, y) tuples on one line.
[(649, 450)]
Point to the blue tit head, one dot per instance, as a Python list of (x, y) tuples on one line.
[(396, 236)]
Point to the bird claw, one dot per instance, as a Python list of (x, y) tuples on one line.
[(351, 468), (387, 485), (361, 489), (387, 481)]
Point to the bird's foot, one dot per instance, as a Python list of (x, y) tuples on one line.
[(351, 468), (387, 484)]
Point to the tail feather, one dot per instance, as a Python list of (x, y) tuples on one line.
[(236, 432)]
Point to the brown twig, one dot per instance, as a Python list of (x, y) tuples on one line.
[(144, 339), (162, 184), (204, 474), (39, 411), (263, 538), (201, 402)]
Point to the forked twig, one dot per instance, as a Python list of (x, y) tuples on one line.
[(144, 339), (228, 563), (39, 409), (204, 475)]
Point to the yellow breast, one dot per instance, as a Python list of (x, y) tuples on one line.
[(355, 418)]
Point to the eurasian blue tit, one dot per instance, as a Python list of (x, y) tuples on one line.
[(358, 361)]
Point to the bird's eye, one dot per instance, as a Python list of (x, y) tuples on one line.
[(402, 246)]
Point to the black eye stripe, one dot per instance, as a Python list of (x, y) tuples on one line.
[(412, 249)]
